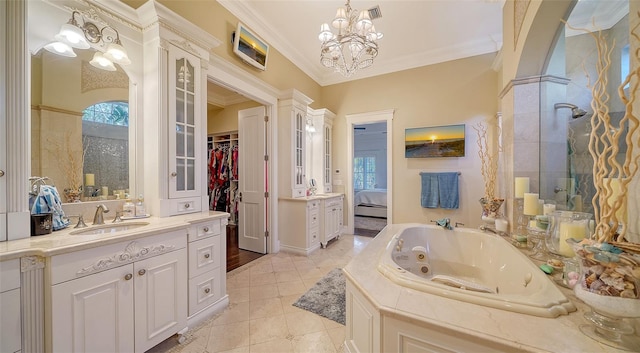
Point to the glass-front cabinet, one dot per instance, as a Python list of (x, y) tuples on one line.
[(292, 145), (321, 163), (184, 119)]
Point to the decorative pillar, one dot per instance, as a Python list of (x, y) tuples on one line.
[(32, 298), (18, 119)]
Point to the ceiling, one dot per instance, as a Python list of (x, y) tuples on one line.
[(416, 32)]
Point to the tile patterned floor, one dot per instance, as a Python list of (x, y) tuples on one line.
[(260, 317)]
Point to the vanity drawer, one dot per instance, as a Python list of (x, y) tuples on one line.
[(313, 219), (187, 206), (204, 290), (81, 263), (204, 230), (314, 235), (204, 256), (10, 274)]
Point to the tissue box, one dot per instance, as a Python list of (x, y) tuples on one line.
[(41, 224)]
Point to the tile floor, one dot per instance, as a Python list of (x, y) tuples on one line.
[(260, 317)]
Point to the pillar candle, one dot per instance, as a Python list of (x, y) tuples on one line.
[(530, 204), (540, 207), (577, 202), (575, 230), (522, 186), (548, 208), (89, 180), (502, 225), (105, 191)]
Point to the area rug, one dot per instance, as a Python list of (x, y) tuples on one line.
[(326, 298), (371, 223)]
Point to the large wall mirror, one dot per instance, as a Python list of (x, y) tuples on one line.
[(565, 161), (80, 123)]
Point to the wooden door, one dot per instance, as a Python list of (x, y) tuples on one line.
[(252, 185)]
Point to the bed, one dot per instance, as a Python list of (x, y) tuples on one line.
[(371, 203)]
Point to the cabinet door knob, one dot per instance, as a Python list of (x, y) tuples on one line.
[(174, 174), (142, 272), (207, 290), (206, 229), (186, 205), (1, 173), (128, 276), (206, 256)]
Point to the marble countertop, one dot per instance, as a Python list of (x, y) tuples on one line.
[(62, 241), (520, 331), (312, 197)]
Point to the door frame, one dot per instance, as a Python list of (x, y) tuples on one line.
[(381, 116), (225, 74)]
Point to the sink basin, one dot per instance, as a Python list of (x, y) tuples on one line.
[(109, 228)]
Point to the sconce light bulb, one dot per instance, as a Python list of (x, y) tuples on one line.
[(60, 48), (101, 62), (73, 36)]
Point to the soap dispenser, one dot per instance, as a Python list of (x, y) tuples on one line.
[(140, 209), (128, 209)]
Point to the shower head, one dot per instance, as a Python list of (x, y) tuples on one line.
[(575, 111)]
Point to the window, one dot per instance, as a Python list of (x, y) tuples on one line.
[(364, 173), (112, 113), (624, 64)]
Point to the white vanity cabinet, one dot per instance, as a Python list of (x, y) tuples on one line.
[(124, 297), (321, 147), (292, 144), (10, 319), (207, 269), (299, 221), (332, 224)]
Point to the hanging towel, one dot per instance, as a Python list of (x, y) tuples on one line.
[(429, 194), (48, 201), (448, 190)]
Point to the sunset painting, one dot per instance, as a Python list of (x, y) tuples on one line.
[(437, 141)]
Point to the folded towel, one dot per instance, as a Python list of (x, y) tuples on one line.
[(429, 194), (448, 190), (48, 201)]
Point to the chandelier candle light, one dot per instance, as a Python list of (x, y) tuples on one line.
[(355, 45)]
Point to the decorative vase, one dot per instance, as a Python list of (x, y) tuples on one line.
[(73, 194), (609, 283), (490, 209)]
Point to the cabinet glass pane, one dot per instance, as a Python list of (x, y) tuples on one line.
[(190, 108), (191, 148), (191, 174), (181, 174), (191, 77), (179, 105), (180, 73), (180, 140)]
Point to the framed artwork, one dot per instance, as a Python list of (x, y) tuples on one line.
[(436, 141), (250, 48)]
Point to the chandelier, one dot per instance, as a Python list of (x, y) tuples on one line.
[(354, 46)]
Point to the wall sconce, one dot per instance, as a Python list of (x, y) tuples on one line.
[(73, 35)]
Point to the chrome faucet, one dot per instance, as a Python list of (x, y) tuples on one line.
[(98, 217)]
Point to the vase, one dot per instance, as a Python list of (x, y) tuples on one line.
[(72, 194), (564, 225), (490, 209), (609, 285)]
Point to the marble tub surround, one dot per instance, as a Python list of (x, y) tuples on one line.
[(507, 330), (62, 241)]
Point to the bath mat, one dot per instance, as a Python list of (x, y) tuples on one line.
[(327, 297)]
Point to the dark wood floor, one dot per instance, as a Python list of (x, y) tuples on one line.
[(237, 257)]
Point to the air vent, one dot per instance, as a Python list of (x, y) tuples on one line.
[(375, 13)]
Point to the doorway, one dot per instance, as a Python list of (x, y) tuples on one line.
[(224, 102), (369, 172)]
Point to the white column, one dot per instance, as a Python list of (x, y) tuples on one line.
[(32, 298), (18, 119)]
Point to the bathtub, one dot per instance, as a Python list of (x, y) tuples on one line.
[(469, 265)]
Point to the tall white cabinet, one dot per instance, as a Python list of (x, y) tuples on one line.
[(322, 120), (292, 144), (176, 57)]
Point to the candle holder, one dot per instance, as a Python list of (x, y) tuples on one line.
[(520, 233)]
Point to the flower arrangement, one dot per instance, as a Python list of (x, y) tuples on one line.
[(71, 165), (489, 170)]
